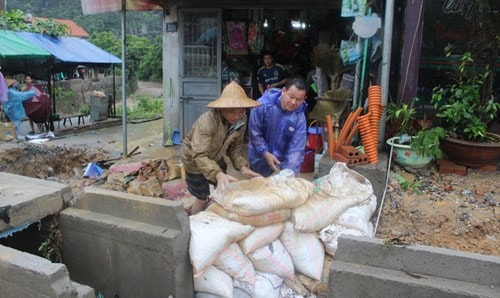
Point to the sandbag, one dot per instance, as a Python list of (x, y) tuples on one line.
[(306, 250), (263, 195), (214, 281), (344, 182), (267, 285), (273, 258), (260, 237), (237, 265), (330, 235), (210, 235), (358, 217), (319, 287), (342, 188), (258, 220), (321, 210)]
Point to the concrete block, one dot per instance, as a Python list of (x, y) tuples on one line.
[(368, 264), (30, 199), (127, 245), (27, 275), (354, 280)]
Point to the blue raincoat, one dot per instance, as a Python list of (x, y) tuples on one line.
[(274, 130), (14, 106)]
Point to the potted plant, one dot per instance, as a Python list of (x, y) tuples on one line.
[(466, 109), (412, 147)]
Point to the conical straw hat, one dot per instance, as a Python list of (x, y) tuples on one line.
[(233, 96)]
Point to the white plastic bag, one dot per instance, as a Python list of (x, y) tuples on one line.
[(358, 217), (267, 285)]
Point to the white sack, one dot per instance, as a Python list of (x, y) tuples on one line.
[(210, 235), (330, 236), (263, 195), (273, 258), (236, 264), (306, 250), (267, 285), (358, 217), (261, 237), (342, 188), (342, 181), (214, 281)]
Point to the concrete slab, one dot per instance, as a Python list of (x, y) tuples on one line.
[(26, 200), (127, 245)]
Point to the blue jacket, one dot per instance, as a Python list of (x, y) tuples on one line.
[(14, 105), (274, 130)]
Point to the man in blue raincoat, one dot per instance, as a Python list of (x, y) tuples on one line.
[(14, 105), (278, 129)]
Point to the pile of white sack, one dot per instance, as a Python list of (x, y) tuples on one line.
[(267, 237)]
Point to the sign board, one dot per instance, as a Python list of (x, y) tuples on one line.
[(99, 6), (171, 27)]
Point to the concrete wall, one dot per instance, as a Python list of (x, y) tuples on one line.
[(368, 267), (128, 246), (26, 275)]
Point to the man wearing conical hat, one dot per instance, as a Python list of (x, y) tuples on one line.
[(214, 134)]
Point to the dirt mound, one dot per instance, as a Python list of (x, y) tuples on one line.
[(450, 211), (43, 161)]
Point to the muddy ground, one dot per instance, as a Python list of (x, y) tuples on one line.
[(450, 211)]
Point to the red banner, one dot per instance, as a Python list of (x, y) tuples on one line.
[(103, 6)]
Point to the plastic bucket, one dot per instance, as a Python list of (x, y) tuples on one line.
[(176, 136), (307, 165), (315, 141)]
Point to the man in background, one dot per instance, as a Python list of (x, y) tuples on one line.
[(271, 75)]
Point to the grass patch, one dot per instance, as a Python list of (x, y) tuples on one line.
[(143, 108)]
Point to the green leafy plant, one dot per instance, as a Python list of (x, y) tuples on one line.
[(51, 247), (427, 141), (145, 108), (85, 109), (407, 185), (16, 20), (401, 116), (464, 109), (424, 141)]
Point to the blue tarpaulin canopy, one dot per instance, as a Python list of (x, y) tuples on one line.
[(71, 49)]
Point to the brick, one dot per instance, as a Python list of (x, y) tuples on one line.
[(348, 151), (488, 168), (449, 167)]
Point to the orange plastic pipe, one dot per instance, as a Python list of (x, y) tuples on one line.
[(329, 125), (353, 131), (347, 126)]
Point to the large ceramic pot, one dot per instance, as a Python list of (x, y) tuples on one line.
[(473, 154), (404, 156)]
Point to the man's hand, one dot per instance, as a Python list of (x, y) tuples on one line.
[(223, 181), (272, 161), (249, 173)]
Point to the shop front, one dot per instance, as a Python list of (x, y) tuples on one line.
[(205, 48)]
